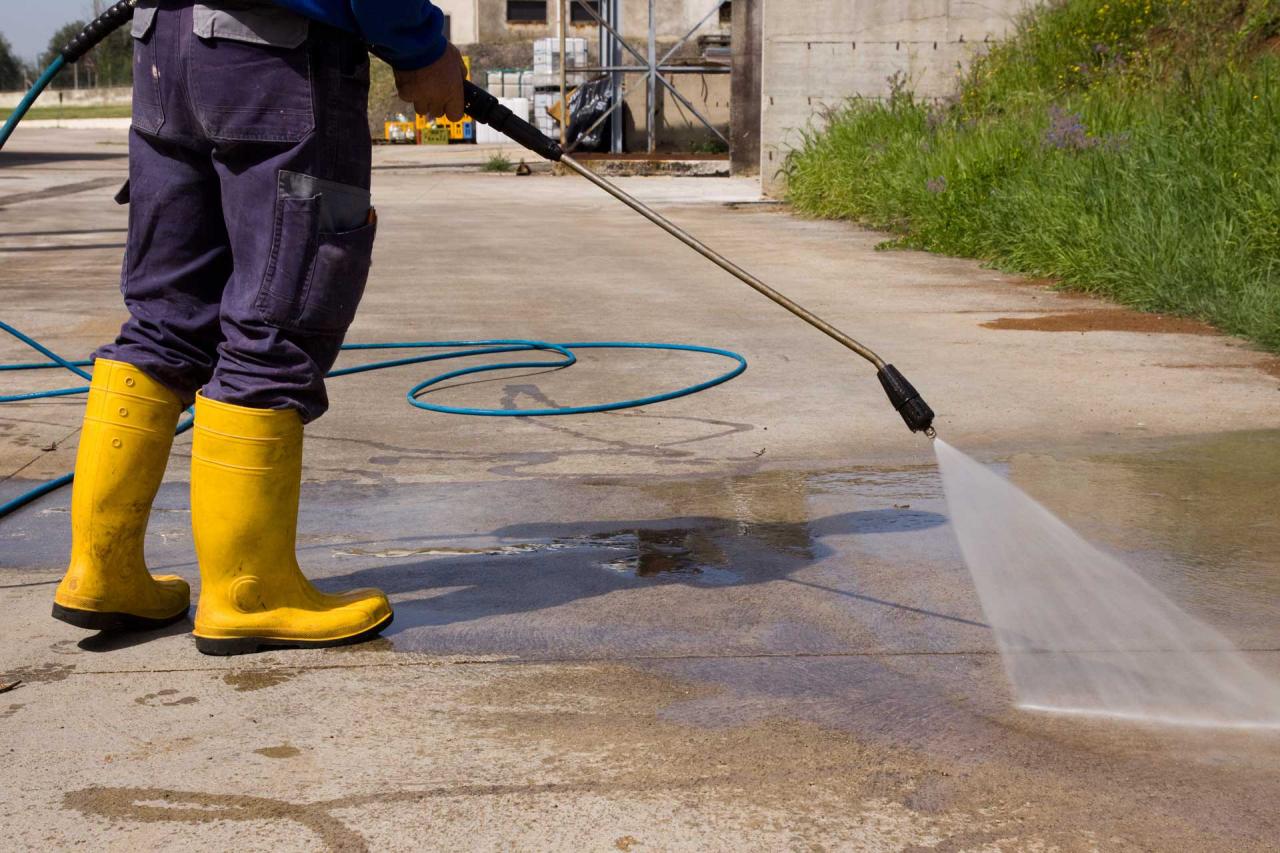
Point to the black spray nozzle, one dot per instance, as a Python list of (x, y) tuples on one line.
[(101, 27), (485, 109), (906, 399)]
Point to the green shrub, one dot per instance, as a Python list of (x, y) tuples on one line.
[(498, 163)]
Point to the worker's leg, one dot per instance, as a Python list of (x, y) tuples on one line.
[(299, 218), (124, 445), (176, 265), (301, 228)]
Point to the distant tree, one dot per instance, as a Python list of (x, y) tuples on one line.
[(108, 64), (12, 72), (57, 42), (112, 60)]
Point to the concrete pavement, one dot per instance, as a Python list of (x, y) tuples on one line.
[(737, 620)]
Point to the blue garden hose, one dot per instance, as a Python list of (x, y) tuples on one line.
[(456, 349)]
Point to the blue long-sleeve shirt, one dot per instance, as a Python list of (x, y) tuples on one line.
[(408, 34)]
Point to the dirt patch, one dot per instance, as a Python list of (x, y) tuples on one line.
[(330, 831), (282, 751), (244, 680), (166, 698), (42, 674), (1104, 320)]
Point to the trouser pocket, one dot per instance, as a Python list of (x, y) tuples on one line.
[(243, 92), (316, 274), (148, 110)]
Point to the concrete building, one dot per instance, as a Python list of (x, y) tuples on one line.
[(496, 21), (792, 59), (817, 54)]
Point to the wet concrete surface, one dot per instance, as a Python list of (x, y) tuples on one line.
[(634, 631)]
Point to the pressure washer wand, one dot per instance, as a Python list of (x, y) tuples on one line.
[(485, 109)]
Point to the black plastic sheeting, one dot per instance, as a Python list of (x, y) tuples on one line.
[(587, 104)]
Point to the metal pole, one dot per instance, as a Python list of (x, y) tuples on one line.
[(653, 80), (617, 128), (723, 262), (564, 78)]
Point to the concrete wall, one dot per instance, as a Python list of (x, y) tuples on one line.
[(674, 19), (464, 20), (819, 53)]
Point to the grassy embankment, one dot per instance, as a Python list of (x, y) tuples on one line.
[(1128, 148), (122, 111)]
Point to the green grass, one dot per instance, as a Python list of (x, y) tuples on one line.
[(73, 112), (498, 163), (1128, 148)]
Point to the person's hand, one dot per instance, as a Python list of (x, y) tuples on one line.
[(437, 89)]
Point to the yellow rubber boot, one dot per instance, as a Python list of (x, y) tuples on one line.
[(124, 447), (246, 470)]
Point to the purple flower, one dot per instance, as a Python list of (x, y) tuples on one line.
[(1067, 131)]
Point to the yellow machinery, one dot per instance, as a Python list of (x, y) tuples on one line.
[(399, 132)]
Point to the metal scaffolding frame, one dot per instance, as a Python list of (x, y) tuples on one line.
[(656, 69)]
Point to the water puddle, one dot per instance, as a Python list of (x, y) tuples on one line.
[(636, 553), (658, 553), (837, 566)]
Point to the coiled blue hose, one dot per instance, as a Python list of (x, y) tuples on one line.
[(456, 349)]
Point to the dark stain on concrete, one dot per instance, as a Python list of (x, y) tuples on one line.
[(12, 709), (163, 805), (60, 189), (42, 674), (245, 680), (282, 751), (65, 647), (1104, 320), (161, 697)]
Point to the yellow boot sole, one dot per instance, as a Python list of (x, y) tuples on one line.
[(96, 620), (252, 645)]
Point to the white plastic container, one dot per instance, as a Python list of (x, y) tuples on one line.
[(486, 135)]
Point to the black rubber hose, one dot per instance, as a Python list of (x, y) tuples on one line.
[(485, 109), (100, 28)]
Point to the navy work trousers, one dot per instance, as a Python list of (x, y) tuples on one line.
[(250, 229)]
